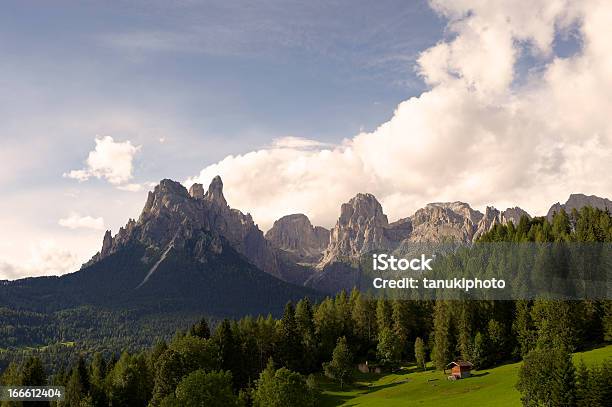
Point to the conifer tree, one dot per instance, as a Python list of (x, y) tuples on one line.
[(306, 332), (383, 315), (289, 346), (200, 329), (442, 336), (420, 354), (341, 366)]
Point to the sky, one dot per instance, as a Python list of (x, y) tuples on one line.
[(493, 103)]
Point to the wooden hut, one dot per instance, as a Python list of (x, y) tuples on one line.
[(459, 369)]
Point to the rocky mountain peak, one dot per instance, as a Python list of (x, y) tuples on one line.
[(196, 191), (493, 217), (296, 235), (170, 187), (361, 228), (215, 192), (172, 216), (362, 207), (513, 215), (578, 201), (438, 221), (107, 243)]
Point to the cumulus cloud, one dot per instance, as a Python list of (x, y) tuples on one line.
[(110, 160), (477, 134), (297, 143), (46, 258), (76, 221)]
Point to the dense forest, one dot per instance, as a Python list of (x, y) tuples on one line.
[(267, 361)]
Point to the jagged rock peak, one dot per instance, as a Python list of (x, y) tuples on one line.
[(197, 191), (456, 221), (168, 186), (361, 207), (447, 211), (107, 243), (295, 234), (361, 227), (215, 192)]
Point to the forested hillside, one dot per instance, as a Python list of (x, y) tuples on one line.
[(264, 361)]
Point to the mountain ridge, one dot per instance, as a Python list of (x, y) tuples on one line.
[(295, 250)]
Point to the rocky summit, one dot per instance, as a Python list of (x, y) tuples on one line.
[(361, 228), (577, 201), (172, 215), (296, 235)]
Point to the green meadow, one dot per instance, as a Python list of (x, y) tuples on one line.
[(410, 387)]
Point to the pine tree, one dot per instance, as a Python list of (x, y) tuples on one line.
[(200, 329), (328, 327), (563, 390), (290, 349), (11, 375), (229, 350), (33, 373), (306, 332), (364, 322), (497, 340), (383, 315), (97, 375), (547, 378), (75, 390), (443, 347), (465, 325), (341, 366), (556, 324), (400, 316), (523, 327), (480, 351), (169, 370), (420, 353), (389, 348), (583, 391)]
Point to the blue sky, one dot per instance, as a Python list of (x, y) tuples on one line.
[(491, 103), (208, 78), (224, 77)]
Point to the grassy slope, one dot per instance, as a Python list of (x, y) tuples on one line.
[(430, 388)]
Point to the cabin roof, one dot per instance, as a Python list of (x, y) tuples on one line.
[(461, 363)]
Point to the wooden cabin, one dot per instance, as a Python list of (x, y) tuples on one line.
[(459, 369)]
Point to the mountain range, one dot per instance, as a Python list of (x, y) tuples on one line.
[(190, 250)]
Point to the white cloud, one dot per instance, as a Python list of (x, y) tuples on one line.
[(46, 258), (475, 135), (76, 221), (110, 160), (297, 143)]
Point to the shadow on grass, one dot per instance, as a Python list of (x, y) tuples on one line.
[(479, 374), (330, 400)]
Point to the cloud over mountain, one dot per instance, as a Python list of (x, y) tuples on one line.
[(111, 160), (487, 130)]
